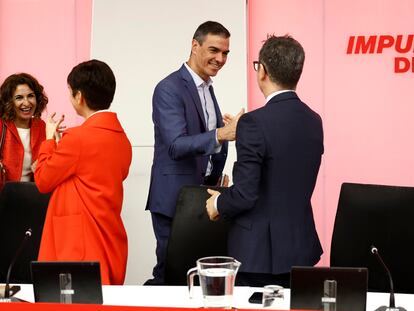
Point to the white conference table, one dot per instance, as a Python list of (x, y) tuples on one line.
[(177, 296)]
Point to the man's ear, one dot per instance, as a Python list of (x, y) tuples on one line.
[(194, 46), (262, 73)]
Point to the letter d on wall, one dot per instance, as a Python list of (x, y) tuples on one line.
[(402, 64)]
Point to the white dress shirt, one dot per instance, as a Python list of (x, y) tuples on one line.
[(203, 89)]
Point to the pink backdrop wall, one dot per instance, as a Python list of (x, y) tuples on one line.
[(45, 38), (365, 105)]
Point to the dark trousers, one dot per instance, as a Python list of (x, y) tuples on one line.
[(262, 279), (161, 225)]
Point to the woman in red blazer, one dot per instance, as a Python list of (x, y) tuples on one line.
[(22, 101), (85, 170)]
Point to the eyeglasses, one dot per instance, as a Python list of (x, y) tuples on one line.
[(256, 65)]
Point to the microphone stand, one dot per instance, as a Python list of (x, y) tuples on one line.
[(7, 296), (391, 307)]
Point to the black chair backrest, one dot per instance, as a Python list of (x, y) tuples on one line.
[(193, 235), (381, 216), (21, 207)]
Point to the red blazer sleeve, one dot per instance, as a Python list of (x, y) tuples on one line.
[(57, 162)]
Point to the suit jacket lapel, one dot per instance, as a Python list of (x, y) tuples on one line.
[(217, 108), (192, 89), (11, 127)]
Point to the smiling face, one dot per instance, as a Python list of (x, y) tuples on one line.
[(24, 99), (210, 56)]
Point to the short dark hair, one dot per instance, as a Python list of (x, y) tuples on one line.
[(8, 88), (283, 59), (96, 81), (210, 27)]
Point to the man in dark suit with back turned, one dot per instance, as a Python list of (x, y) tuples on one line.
[(190, 137), (279, 149)]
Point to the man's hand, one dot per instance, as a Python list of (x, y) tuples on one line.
[(228, 131), (223, 181), (211, 211), (227, 118)]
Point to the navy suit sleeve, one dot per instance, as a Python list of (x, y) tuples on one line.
[(250, 146), (170, 117)]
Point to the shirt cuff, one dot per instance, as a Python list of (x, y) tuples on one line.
[(215, 204), (217, 148)]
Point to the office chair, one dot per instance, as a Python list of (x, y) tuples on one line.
[(193, 235), (376, 215), (21, 207)]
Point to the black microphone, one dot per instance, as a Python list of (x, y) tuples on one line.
[(27, 235), (391, 307)]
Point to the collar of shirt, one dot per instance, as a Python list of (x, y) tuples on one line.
[(270, 96), (197, 79)]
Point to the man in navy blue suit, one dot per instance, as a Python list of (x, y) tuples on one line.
[(279, 149), (190, 137)]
